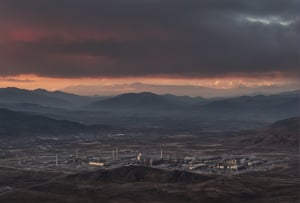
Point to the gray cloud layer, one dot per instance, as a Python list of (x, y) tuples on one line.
[(150, 37)]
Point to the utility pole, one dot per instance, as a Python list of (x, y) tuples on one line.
[(56, 160), (117, 153), (77, 153), (113, 155)]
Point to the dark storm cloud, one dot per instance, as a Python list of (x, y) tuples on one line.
[(149, 37)]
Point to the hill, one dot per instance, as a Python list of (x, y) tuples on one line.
[(73, 99), (132, 173), (151, 110), (42, 97), (283, 134), (271, 107), (144, 100), (140, 184), (14, 123)]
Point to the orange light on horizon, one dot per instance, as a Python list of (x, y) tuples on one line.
[(34, 82)]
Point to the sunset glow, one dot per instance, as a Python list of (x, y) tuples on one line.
[(122, 85), (87, 46)]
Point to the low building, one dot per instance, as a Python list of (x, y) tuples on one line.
[(100, 164)]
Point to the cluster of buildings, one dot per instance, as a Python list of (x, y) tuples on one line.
[(195, 163), (191, 163), (235, 164), (117, 159)]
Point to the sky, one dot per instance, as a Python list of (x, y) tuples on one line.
[(171, 46)]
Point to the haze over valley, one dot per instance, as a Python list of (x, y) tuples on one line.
[(146, 101), (180, 148)]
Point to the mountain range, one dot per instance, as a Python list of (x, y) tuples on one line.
[(12, 95), (149, 109), (14, 123)]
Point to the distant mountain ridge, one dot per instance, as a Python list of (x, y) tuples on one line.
[(14, 123), (143, 100), (159, 111), (12, 95), (283, 105), (274, 107)]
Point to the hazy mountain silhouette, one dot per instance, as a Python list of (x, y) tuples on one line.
[(33, 108), (186, 99), (148, 109), (270, 107), (68, 97), (14, 123), (13, 95), (144, 100)]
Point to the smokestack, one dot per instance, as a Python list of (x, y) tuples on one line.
[(56, 160)]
